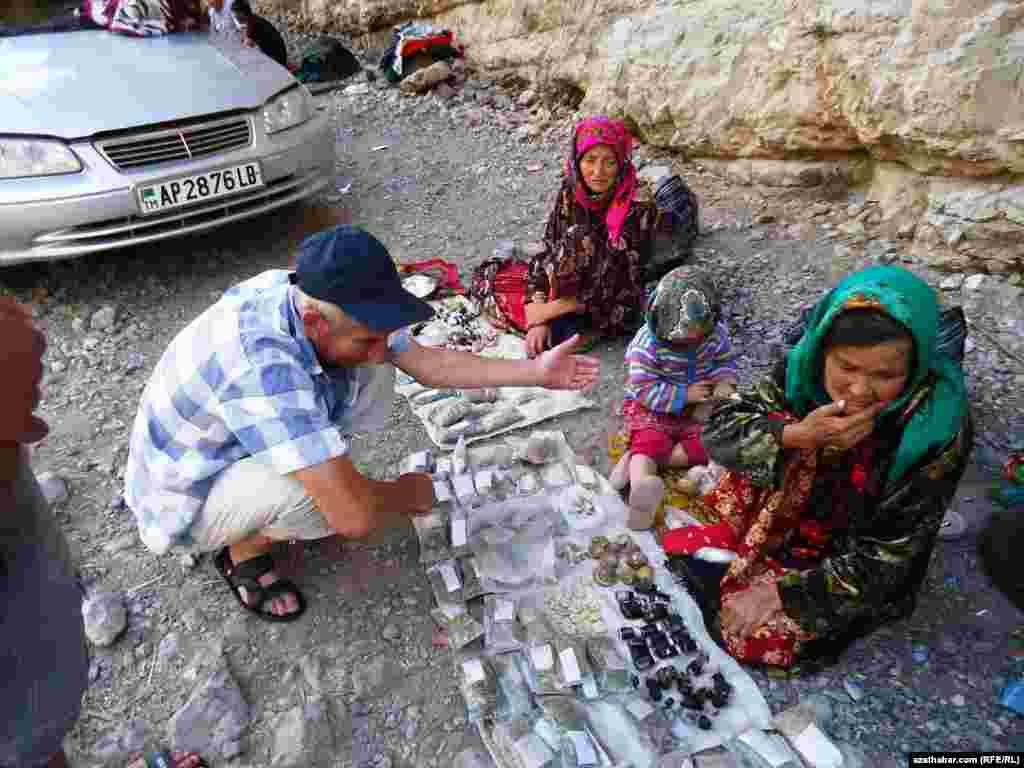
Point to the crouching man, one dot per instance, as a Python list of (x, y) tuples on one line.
[(242, 434)]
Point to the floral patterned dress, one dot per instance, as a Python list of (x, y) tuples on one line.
[(846, 548)]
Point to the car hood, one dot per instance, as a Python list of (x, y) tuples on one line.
[(77, 84)]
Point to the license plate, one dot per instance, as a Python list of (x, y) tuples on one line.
[(199, 187)]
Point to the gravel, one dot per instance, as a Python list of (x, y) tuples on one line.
[(452, 181)]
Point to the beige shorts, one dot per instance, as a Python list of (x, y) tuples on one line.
[(251, 498)]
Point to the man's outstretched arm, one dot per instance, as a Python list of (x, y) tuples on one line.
[(557, 368)]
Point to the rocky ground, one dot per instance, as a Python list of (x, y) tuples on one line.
[(359, 682)]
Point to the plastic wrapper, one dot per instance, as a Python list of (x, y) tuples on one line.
[(512, 559), (458, 532), (630, 730), (568, 718), (460, 457), (500, 455), (542, 447), (611, 670), (445, 582), (465, 489), (460, 627), (577, 507), (421, 461), (573, 666), (556, 475), (484, 395), (432, 533), (587, 478), (484, 480), (519, 746), (443, 468), (513, 690), (542, 662), (528, 483), (760, 749), (443, 493), (477, 683), (472, 587), (447, 414), (501, 630)]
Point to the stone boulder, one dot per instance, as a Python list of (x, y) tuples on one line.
[(921, 104)]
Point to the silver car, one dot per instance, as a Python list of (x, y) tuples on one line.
[(109, 141)]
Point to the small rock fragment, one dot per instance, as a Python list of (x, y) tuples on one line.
[(54, 489), (391, 632), (214, 719), (973, 282), (105, 617), (103, 318)]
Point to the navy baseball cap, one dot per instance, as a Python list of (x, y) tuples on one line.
[(350, 268)]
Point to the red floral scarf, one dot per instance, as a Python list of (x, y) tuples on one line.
[(588, 134)]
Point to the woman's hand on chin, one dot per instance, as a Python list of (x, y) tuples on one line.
[(830, 427)]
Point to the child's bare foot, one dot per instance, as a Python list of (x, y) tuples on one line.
[(645, 494), (679, 458)]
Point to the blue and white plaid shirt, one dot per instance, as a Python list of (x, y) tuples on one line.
[(241, 380)]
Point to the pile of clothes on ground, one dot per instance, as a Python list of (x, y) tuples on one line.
[(421, 57)]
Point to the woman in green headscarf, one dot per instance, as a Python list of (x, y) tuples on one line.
[(840, 470)]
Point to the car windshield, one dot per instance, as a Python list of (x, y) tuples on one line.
[(37, 16)]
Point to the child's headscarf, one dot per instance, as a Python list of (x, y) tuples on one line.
[(612, 133), (685, 307)]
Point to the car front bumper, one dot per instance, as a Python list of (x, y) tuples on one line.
[(97, 209)]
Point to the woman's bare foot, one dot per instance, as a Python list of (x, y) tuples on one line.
[(180, 760)]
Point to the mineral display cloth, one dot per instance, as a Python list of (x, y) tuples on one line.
[(546, 403), (747, 709)]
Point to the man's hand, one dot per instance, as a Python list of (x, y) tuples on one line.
[(700, 392), (829, 427), (560, 368), (420, 490), (538, 339), (743, 612)]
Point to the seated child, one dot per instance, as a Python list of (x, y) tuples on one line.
[(678, 363)]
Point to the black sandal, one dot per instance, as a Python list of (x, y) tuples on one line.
[(247, 574)]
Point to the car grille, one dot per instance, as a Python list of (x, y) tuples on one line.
[(145, 149)]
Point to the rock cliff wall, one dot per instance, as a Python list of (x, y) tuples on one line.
[(919, 101)]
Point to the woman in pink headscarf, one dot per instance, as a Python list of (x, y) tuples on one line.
[(589, 278)]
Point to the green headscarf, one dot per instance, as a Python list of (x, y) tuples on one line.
[(909, 300)]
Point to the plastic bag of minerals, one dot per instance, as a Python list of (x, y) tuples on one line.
[(566, 720), (629, 729), (445, 582), (472, 587), (501, 633), (573, 667), (611, 670), (458, 531), (513, 690), (519, 746), (460, 627), (432, 532), (542, 664), (477, 683), (759, 749)]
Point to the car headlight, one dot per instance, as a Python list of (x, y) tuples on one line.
[(288, 109), (35, 157)]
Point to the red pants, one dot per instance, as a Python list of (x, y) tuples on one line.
[(657, 445)]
